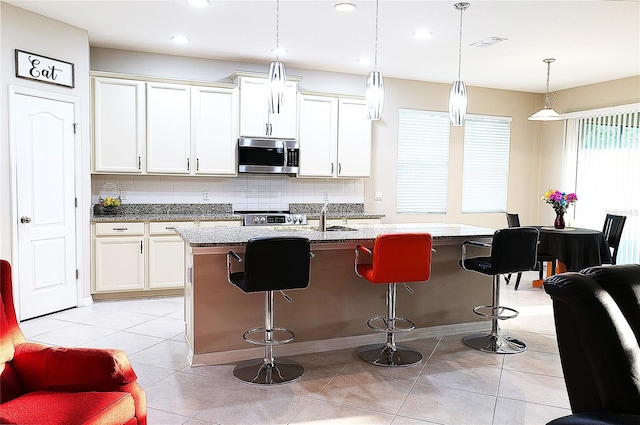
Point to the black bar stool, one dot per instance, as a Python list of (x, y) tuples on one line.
[(271, 264), (512, 250), (397, 258)]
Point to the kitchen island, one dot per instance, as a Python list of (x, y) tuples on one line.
[(332, 312)]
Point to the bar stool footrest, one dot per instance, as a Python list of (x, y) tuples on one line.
[(289, 332), (387, 329), (257, 372), (511, 312), (386, 355)]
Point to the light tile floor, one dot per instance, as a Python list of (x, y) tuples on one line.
[(453, 385)]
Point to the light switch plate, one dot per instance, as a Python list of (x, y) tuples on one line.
[(205, 195), (377, 196), (123, 195)]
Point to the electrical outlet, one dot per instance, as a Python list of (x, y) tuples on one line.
[(326, 196), (377, 196), (205, 195), (123, 195)]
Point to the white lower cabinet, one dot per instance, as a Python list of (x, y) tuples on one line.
[(166, 256), (138, 257), (119, 257)]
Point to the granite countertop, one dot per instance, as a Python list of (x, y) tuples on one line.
[(217, 212), (168, 212), (220, 236)]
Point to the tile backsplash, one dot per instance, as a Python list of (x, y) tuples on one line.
[(245, 192)]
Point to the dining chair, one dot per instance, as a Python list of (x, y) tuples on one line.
[(612, 229), (513, 220)]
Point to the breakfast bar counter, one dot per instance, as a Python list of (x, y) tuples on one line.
[(331, 313)]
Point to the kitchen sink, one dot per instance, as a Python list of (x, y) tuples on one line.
[(340, 229), (313, 228)]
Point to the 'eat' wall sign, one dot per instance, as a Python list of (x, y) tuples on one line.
[(44, 69)]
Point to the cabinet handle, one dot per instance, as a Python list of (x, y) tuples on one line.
[(119, 229), (270, 129), (139, 163), (197, 164), (332, 168), (266, 129), (339, 168), (140, 247), (170, 228), (188, 165)]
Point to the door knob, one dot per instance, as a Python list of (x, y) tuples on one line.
[(25, 220)]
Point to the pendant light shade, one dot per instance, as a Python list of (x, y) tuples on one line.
[(457, 103), (277, 81), (375, 95), (458, 93), (547, 113), (375, 85), (277, 74)]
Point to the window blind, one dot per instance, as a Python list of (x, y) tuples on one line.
[(423, 162), (486, 164), (607, 177)]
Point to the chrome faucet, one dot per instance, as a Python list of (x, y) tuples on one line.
[(323, 217)]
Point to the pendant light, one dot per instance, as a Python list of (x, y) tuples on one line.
[(547, 113), (458, 93), (277, 74), (375, 85)]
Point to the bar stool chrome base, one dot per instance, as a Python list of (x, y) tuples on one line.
[(257, 371), (389, 355), (497, 343)]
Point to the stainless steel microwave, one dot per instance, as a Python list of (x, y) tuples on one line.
[(268, 156)]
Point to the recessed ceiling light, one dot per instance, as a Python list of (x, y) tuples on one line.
[(364, 61), (198, 3), (345, 7), (180, 39), (279, 51), (422, 34)]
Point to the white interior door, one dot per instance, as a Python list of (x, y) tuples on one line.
[(44, 143)]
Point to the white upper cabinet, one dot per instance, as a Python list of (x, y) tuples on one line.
[(318, 136), (168, 128), (335, 137), (118, 125), (255, 120), (214, 129), (354, 139)]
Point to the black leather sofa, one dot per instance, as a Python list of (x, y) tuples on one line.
[(597, 318)]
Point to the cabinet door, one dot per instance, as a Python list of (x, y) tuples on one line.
[(214, 128), (255, 120), (119, 263), (253, 108), (318, 136), (285, 124), (166, 262), (118, 125), (354, 139), (168, 128)]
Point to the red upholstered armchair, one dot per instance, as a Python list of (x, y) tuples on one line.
[(54, 385)]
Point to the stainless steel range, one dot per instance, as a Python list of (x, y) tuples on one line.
[(273, 218)]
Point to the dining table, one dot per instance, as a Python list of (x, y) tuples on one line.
[(575, 248)]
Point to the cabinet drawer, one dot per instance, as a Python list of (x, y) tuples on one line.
[(119, 229), (168, 227)]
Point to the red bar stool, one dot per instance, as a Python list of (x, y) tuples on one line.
[(397, 258)]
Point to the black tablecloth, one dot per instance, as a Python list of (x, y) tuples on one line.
[(577, 248)]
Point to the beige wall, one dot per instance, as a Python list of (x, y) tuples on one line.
[(34, 33), (523, 167), (594, 96)]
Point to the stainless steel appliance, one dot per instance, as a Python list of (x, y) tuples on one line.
[(273, 219), (268, 156)]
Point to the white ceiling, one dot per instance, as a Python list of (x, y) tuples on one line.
[(592, 41)]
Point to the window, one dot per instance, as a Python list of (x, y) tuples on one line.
[(603, 155), (486, 164), (423, 162)]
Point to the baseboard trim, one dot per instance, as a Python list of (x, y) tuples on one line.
[(305, 347)]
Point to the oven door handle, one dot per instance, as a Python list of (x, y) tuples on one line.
[(286, 154)]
